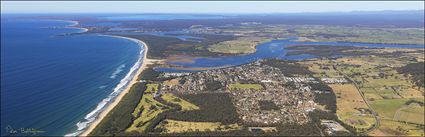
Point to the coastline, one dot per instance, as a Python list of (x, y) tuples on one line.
[(118, 98), (74, 25)]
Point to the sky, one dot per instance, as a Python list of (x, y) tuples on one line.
[(203, 6)]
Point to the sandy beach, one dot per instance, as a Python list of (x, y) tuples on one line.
[(102, 115)]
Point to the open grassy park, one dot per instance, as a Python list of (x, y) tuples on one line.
[(149, 108), (185, 105)]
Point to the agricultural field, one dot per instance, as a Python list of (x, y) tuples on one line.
[(378, 78), (388, 92), (412, 113), (394, 128), (386, 108), (385, 89), (350, 105), (321, 68), (245, 86), (361, 34)]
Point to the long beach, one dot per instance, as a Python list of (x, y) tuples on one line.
[(102, 114)]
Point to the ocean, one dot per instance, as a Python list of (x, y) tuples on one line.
[(49, 83)]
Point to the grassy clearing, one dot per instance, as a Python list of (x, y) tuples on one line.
[(348, 98), (348, 102), (186, 106), (318, 67), (357, 120), (149, 109), (413, 113), (172, 82), (394, 128), (245, 86), (150, 88), (173, 126), (241, 45), (386, 108)]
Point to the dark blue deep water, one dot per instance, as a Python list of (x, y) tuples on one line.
[(49, 82)]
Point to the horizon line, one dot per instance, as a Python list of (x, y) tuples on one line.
[(306, 12)]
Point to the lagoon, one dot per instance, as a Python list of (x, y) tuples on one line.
[(272, 49)]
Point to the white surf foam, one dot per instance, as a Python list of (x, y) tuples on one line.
[(103, 86), (117, 71), (124, 83)]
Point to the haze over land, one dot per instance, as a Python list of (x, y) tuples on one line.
[(206, 7)]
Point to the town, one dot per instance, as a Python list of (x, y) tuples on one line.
[(261, 93)]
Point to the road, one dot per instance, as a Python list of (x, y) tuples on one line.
[(375, 115)]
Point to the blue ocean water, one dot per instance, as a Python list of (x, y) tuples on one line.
[(162, 17), (48, 82)]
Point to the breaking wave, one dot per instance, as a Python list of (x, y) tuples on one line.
[(124, 83), (117, 71)]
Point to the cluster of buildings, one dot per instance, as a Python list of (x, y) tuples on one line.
[(332, 126), (340, 80), (334, 80), (293, 105)]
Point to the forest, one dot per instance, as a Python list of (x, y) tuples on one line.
[(163, 47), (215, 107), (415, 72), (120, 118)]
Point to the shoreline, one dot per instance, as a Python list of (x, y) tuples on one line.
[(74, 26), (118, 98)]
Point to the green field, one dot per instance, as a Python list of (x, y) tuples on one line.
[(412, 113), (385, 89), (241, 45), (394, 128), (397, 110), (186, 106), (387, 107), (361, 34), (174, 126), (149, 108)]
